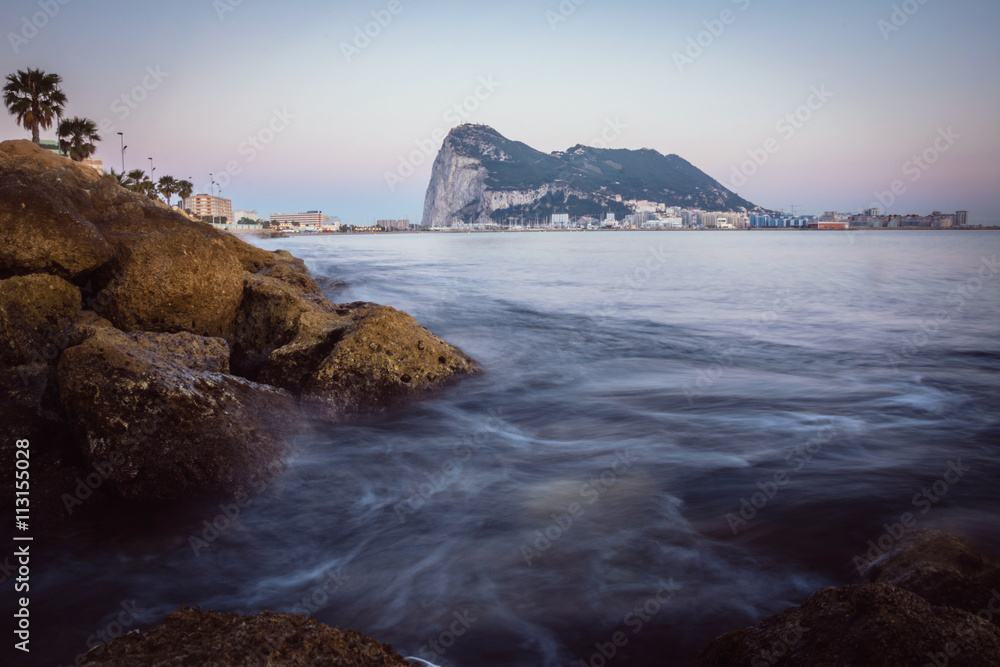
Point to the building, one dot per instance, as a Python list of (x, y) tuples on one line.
[(560, 219), (206, 205), (962, 219), (236, 227), (399, 225), (240, 213), (307, 219)]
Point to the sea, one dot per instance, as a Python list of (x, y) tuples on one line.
[(677, 434)]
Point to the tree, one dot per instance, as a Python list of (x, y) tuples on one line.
[(34, 99), (135, 180), (77, 136), (185, 189), (168, 186)]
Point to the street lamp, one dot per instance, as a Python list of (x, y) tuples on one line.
[(123, 151), (151, 169), (211, 201)]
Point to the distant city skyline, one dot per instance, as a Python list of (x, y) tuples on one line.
[(341, 107)]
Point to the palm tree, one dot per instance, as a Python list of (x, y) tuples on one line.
[(77, 136), (185, 189), (168, 186), (137, 181), (35, 99)]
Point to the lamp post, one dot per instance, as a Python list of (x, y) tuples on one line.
[(123, 151), (151, 168), (211, 201)]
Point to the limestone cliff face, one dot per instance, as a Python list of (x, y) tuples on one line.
[(457, 188), (479, 173)]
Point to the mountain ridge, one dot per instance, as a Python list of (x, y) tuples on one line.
[(480, 176)]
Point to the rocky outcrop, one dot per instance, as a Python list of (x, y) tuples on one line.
[(192, 637), (456, 192), (173, 280), (383, 357), (38, 235), (943, 570), (868, 624), (161, 419), (934, 599), (36, 311), (478, 172), (132, 339)]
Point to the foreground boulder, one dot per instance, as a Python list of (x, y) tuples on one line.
[(174, 280), (867, 624), (341, 359), (160, 419), (943, 570), (39, 235), (192, 637), (383, 357), (36, 313)]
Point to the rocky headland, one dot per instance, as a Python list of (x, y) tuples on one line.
[(153, 357)]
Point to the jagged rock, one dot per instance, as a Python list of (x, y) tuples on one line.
[(158, 414), (382, 358), (36, 313), (867, 624), (192, 637), (943, 570), (270, 317), (173, 280), (38, 235)]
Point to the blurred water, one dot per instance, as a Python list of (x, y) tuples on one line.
[(639, 386)]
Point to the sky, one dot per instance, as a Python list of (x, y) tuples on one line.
[(797, 105)]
